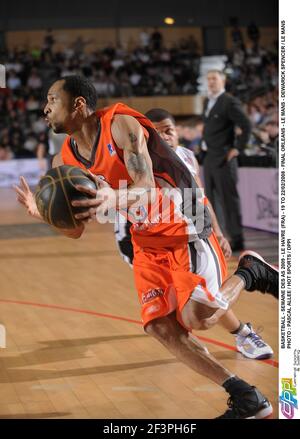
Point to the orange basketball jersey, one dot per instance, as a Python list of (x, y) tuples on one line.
[(169, 171)]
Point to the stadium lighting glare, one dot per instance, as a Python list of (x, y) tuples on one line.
[(169, 20)]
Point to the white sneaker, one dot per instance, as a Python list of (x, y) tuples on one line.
[(251, 345)]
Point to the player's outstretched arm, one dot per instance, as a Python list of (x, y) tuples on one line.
[(26, 197)]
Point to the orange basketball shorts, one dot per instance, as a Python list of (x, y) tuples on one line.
[(166, 278)]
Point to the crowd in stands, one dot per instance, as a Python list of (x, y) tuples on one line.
[(149, 69), (252, 76)]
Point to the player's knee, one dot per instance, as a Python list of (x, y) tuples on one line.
[(191, 317), (206, 324), (213, 320), (166, 329), (195, 315), (157, 328), (191, 320)]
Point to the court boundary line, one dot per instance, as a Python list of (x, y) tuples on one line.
[(271, 362)]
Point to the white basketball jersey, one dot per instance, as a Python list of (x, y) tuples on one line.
[(188, 159)]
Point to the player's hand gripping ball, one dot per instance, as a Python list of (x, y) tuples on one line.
[(56, 191)]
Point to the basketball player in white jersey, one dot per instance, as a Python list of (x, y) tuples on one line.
[(248, 342)]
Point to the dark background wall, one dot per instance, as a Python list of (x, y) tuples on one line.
[(39, 14)]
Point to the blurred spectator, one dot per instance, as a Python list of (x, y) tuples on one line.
[(30, 143), (144, 39), (34, 81), (48, 41), (149, 69), (192, 43), (13, 81), (253, 32), (32, 103), (156, 39), (5, 153), (79, 45), (253, 77), (115, 72), (185, 134), (190, 133), (268, 134), (237, 36), (39, 125), (42, 146), (254, 114)]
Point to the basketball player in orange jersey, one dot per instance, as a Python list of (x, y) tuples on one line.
[(178, 266), (250, 344)]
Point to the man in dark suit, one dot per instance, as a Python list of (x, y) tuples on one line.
[(222, 115)]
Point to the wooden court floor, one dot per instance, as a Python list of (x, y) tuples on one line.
[(75, 345)]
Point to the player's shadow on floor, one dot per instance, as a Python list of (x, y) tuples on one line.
[(23, 375), (67, 350), (53, 351)]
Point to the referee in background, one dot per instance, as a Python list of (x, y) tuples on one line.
[(222, 115)]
